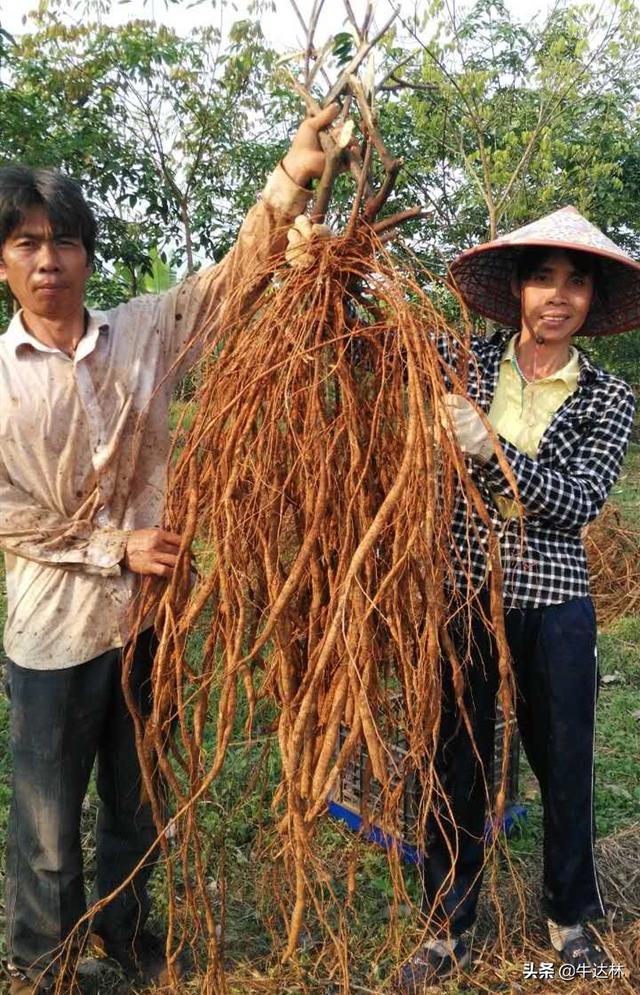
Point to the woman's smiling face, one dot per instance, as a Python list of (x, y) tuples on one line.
[(554, 298)]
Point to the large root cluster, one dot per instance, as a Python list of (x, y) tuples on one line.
[(317, 484)]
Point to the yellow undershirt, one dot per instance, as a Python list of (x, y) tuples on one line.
[(521, 410)]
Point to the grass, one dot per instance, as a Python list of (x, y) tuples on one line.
[(236, 823), (618, 732)]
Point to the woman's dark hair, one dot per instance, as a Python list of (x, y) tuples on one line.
[(23, 188), (531, 258)]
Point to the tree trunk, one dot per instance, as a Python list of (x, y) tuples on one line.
[(184, 214)]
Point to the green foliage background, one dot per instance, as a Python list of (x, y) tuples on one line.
[(497, 120)]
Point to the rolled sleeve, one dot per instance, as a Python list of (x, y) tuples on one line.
[(45, 536)]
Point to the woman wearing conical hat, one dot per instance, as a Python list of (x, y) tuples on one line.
[(564, 426)]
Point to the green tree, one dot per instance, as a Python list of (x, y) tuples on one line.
[(148, 122), (500, 122), (497, 121)]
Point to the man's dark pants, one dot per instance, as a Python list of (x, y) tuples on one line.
[(60, 721), (554, 658)]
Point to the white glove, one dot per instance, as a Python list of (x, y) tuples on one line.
[(473, 438), (300, 235)]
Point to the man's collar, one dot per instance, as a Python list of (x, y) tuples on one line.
[(17, 336), (97, 323)]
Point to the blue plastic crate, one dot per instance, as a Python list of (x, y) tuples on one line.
[(409, 852), (357, 798)]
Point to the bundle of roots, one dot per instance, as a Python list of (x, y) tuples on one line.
[(317, 485)]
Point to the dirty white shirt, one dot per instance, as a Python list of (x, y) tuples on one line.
[(84, 445)]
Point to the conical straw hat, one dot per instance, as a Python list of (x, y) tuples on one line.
[(483, 274)]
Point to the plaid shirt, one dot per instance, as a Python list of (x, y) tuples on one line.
[(562, 490)]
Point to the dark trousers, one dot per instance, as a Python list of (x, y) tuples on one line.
[(554, 657), (60, 721)]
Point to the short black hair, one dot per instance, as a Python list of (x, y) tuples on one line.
[(532, 257), (24, 187)]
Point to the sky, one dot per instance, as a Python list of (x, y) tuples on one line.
[(281, 27)]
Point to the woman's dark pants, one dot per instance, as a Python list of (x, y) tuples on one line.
[(61, 720), (554, 658)]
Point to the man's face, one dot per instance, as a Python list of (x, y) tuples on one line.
[(46, 272), (555, 299)]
